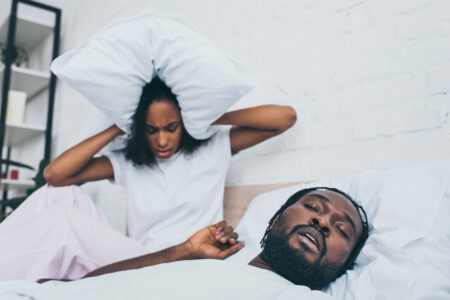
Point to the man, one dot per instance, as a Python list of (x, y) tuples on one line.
[(311, 240)]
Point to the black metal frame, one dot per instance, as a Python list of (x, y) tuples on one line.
[(7, 78)]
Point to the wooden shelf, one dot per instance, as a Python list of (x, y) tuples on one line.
[(26, 80), (18, 133), (16, 184), (29, 32)]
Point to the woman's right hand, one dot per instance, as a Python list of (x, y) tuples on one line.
[(78, 164)]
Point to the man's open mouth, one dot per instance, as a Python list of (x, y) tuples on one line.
[(312, 238)]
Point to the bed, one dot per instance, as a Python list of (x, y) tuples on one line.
[(407, 255)]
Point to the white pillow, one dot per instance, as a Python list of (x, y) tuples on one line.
[(407, 253), (111, 68)]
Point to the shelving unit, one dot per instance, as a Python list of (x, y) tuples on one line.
[(18, 133), (28, 34), (16, 184), (30, 81)]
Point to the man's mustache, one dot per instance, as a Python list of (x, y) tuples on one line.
[(322, 236)]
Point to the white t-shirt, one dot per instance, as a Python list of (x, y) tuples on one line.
[(176, 197)]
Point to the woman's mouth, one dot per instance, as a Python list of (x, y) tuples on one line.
[(163, 154)]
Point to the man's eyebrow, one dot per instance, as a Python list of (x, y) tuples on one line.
[(322, 197), (326, 199)]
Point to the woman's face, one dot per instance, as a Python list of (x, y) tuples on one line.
[(163, 128)]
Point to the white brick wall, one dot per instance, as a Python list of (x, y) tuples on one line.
[(368, 78)]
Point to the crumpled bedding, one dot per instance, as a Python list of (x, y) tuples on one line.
[(195, 279)]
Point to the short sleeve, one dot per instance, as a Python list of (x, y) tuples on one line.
[(220, 142), (119, 165)]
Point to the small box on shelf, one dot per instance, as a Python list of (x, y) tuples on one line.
[(13, 174), (16, 107)]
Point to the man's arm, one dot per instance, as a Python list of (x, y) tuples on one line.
[(216, 241)]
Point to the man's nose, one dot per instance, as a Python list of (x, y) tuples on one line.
[(322, 224)]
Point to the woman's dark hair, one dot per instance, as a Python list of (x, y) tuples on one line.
[(137, 149), (362, 215)]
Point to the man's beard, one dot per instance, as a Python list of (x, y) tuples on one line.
[(292, 264)]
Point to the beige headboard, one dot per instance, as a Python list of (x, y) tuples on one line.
[(237, 199)]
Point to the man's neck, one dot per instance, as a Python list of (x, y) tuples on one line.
[(259, 262)]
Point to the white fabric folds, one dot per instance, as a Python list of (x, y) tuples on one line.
[(195, 279)]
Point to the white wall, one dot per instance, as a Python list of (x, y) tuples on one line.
[(368, 78)]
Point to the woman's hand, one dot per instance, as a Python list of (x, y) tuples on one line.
[(254, 125), (216, 241)]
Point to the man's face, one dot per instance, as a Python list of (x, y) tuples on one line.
[(314, 237)]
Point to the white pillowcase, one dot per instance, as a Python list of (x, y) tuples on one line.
[(111, 68), (407, 253)]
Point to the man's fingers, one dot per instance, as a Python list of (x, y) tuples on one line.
[(224, 233), (220, 228), (221, 225), (231, 250), (227, 235)]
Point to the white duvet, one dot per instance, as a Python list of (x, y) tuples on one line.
[(198, 279)]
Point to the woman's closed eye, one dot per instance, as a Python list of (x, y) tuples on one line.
[(172, 127), (151, 129)]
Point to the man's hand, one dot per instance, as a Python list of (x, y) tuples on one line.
[(216, 241)]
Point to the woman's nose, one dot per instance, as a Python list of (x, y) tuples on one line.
[(322, 224), (162, 140)]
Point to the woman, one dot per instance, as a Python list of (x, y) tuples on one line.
[(174, 182)]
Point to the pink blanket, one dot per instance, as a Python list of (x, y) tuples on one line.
[(59, 233)]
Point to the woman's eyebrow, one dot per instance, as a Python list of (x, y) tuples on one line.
[(168, 125), (171, 124)]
